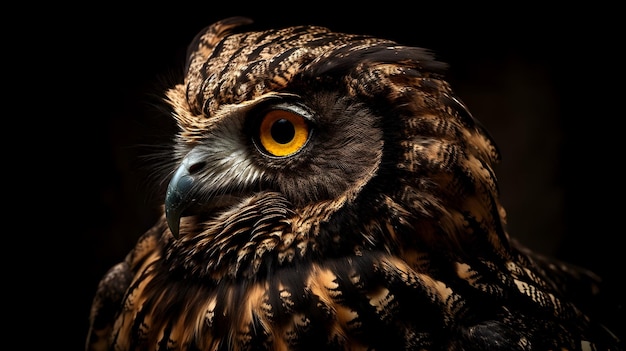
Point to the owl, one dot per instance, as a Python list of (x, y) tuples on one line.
[(329, 191)]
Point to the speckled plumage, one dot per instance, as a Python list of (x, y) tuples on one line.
[(383, 231)]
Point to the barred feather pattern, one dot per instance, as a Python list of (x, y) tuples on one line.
[(407, 249)]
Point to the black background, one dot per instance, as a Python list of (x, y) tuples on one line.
[(546, 82)]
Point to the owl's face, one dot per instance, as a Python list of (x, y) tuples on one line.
[(309, 148), (302, 141)]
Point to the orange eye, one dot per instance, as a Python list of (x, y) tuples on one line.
[(283, 133)]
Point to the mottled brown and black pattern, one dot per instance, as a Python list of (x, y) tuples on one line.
[(383, 231)]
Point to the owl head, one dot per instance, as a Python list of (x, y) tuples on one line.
[(301, 142)]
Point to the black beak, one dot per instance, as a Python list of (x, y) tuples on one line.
[(181, 190)]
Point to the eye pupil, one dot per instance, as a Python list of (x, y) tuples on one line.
[(283, 131)]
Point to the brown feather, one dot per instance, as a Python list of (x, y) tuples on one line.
[(384, 231)]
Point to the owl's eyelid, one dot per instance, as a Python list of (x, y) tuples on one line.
[(282, 101), (293, 107)]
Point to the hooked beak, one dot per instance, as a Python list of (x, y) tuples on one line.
[(181, 190)]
